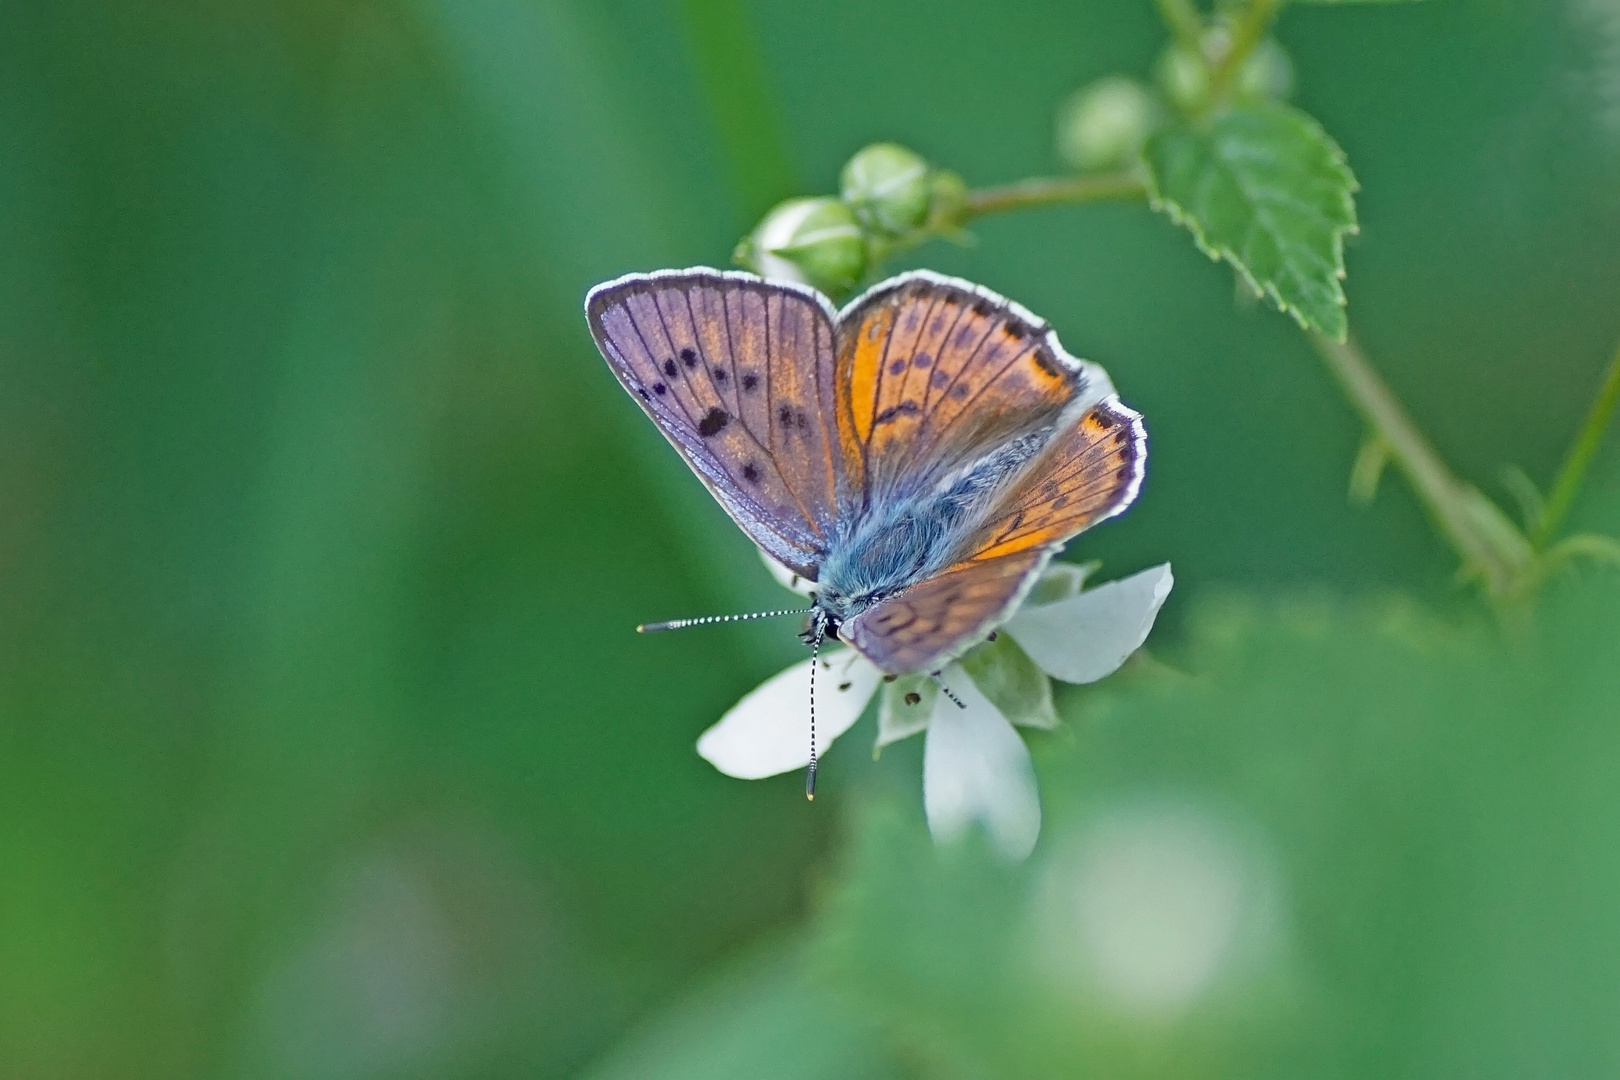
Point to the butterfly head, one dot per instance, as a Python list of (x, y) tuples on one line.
[(819, 623)]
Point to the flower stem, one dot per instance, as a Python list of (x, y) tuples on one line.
[(1249, 30), (1052, 190), (1488, 543), (1573, 470), (1184, 22)]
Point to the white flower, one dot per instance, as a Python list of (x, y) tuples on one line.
[(976, 767)]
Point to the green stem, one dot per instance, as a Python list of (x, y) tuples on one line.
[(1248, 32), (1573, 470), (1481, 536), (1184, 22), (1048, 191)]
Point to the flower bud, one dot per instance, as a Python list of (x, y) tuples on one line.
[(1103, 126), (813, 241), (1267, 75), (887, 187), (1183, 75)]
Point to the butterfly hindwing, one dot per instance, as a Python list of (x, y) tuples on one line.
[(1090, 471), (935, 620), (738, 373)]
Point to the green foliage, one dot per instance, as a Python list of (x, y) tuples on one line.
[(1263, 187), (762, 1015), (1231, 862), (326, 750)]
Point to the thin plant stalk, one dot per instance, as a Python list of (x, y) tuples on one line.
[(1573, 470), (1184, 21), (1053, 190), (1249, 30)]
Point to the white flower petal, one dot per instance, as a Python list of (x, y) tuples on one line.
[(976, 768), (785, 577), (1086, 637), (768, 731)]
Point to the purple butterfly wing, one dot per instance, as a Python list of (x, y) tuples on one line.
[(738, 373)]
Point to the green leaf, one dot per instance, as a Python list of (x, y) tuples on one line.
[(1260, 871), (1354, 1), (1006, 675), (764, 1015), (1263, 187)]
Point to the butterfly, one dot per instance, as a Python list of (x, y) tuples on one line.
[(918, 456)]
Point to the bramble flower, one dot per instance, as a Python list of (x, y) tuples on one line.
[(976, 767)]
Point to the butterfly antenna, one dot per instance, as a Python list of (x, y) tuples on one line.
[(958, 702), (706, 620), (815, 662)]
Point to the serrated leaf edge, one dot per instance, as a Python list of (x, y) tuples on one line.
[(1179, 215)]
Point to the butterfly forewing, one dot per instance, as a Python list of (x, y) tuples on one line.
[(937, 372), (738, 373)]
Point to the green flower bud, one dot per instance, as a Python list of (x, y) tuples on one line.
[(1183, 75), (887, 187), (1103, 126), (1268, 74), (813, 241)]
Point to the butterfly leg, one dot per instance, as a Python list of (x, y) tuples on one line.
[(939, 682)]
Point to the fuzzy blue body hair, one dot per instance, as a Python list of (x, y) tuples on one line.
[(908, 536)]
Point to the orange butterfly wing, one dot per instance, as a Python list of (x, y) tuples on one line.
[(1090, 472), (935, 371), (937, 374)]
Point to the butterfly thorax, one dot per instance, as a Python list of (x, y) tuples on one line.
[(899, 541)]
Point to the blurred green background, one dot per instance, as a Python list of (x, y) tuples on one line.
[(326, 750)]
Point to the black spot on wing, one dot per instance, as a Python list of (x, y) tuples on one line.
[(689, 358), (894, 412), (669, 368), (713, 422)]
